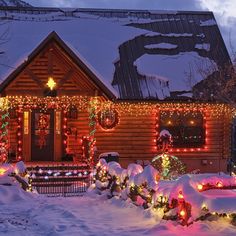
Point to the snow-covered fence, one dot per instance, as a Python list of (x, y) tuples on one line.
[(60, 180), (188, 199)]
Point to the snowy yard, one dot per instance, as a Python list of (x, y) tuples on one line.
[(98, 213), (28, 214)]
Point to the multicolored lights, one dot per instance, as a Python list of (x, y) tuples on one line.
[(132, 108)]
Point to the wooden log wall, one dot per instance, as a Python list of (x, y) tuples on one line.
[(133, 138), (79, 128)]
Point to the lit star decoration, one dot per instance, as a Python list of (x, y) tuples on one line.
[(51, 83)]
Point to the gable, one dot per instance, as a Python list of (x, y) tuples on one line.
[(52, 58)]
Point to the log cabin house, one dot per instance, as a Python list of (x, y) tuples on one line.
[(83, 80)]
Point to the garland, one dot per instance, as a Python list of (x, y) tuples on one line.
[(92, 128), (4, 106)]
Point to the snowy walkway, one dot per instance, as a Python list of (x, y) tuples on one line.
[(71, 216), (89, 216)]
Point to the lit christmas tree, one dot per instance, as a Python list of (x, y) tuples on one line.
[(169, 166)]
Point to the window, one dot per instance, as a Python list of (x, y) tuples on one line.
[(26, 122), (187, 129)]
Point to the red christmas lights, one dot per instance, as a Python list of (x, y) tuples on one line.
[(19, 133)]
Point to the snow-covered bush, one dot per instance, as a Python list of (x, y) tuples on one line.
[(20, 168), (185, 199), (143, 186), (101, 175)]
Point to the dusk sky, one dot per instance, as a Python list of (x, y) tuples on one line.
[(224, 11)]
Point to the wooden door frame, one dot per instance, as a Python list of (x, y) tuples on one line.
[(26, 148), (45, 152), (57, 135)]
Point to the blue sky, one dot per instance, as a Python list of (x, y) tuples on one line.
[(224, 10)]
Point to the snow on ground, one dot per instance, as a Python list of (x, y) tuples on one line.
[(91, 216), (70, 216), (24, 213)]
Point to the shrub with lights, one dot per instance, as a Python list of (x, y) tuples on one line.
[(110, 177), (169, 166), (143, 186), (101, 175)]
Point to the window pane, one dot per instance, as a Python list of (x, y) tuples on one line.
[(187, 129)]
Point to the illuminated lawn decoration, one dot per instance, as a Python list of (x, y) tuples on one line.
[(168, 165)]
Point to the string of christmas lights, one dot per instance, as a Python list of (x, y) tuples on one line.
[(4, 106), (19, 133), (44, 103), (92, 127)]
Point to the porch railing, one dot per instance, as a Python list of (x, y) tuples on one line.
[(60, 180)]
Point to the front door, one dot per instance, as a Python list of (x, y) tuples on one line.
[(42, 136)]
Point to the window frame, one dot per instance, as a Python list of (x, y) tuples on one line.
[(179, 128)]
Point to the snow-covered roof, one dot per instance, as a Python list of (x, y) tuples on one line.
[(14, 3), (136, 54)]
